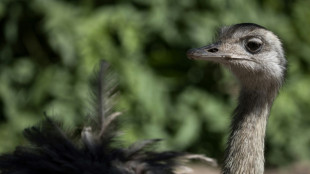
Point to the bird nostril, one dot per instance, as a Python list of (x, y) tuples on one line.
[(213, 50)]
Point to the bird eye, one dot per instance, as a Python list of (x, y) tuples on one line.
[(253, 45)]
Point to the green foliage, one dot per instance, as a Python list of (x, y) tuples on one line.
[(49, 50)]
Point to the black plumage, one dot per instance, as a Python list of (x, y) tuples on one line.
[(53, 151)]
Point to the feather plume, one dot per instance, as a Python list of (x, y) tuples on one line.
[(53, 151)]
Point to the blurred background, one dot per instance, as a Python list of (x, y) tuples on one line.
[(50, 49)]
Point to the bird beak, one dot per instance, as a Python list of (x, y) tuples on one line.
[(210, 52)]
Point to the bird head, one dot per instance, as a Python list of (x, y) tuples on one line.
[(253, 53)]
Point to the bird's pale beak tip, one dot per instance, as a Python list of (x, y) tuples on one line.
[(190, 53)]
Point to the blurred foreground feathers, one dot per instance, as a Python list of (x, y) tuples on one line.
[(53, 151)]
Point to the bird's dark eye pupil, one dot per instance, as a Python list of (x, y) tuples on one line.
[(253, 47)]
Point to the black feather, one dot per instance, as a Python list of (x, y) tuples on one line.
[(54, 151)]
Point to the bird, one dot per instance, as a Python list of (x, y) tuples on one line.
[(253, 54), (256, 58), (94, 149)]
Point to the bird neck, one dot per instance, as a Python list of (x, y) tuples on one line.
[(245, 151)]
